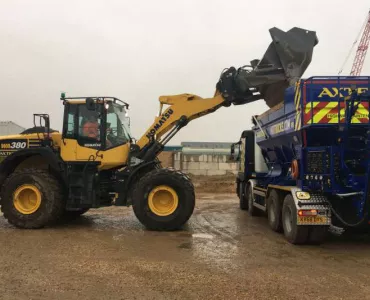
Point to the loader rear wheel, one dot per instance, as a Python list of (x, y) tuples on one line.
[(295, 234), (164, 199), (32, 198)]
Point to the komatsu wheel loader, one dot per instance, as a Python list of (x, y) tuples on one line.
[(46, 175)]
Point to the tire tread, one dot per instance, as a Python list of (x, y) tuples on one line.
[(187, 187), (51, 186)]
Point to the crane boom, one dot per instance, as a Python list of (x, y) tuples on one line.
[(358, 62)]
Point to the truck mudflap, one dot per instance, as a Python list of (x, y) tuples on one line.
[(312, 209)]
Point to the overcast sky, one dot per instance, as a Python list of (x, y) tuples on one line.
[(139, 50)]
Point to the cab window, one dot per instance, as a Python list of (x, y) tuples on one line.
[(118, 132), (89, 127)]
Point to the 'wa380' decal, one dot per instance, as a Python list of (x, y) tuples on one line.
[(13, 144)]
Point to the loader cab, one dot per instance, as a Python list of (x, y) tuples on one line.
[(93, 126)]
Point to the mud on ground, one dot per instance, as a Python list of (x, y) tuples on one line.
[(214, 184), (221, 254)]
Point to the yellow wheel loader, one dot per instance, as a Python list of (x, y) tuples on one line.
[(46, 175)]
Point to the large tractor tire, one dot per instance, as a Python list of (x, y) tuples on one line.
[(163, 199), (32, 198)]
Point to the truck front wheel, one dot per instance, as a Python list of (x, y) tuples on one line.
[(274, 211), (243, 201), (252, 210), (163, 199)]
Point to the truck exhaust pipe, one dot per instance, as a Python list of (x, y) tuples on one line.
[(284, 62)]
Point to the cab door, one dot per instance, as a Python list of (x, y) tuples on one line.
[(77, 145)]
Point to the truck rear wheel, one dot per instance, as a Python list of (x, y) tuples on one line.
[(164, 199), (295, 234), (274, 211), (32, 198)]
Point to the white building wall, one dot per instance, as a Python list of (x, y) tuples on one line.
[(205, 164)]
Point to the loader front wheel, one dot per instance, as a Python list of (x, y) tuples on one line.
[(32, 198), (163, 199)]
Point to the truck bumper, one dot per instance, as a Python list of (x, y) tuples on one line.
[(307, 203)]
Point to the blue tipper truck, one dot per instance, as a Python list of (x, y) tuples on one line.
[(306, 161)]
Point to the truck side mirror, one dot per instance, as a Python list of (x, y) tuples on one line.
[(232, 152)]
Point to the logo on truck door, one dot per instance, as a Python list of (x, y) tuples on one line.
[(333, 92)]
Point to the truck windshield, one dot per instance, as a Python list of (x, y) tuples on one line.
[(118, 126)]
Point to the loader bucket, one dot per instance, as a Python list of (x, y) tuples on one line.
[(284, 62)]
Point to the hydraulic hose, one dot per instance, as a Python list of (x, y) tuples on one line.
[(346, 223)]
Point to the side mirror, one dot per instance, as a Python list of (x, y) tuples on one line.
[(232, 152), (235, 151), (90, 104), (133, 141)]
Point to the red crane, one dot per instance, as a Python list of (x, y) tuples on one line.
[(363, 45), (361, 49)]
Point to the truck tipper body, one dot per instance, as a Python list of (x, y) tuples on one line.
[(306, 161)]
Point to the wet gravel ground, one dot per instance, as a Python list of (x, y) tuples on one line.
[(221, 254)]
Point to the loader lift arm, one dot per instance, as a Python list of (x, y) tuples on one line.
[(182, 109), (282, 65)]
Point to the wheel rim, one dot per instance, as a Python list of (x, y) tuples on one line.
[(163, 200), (288, 220), (272, 212), (27, 199)]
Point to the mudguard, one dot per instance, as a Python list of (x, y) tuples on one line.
[(9, 164)]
